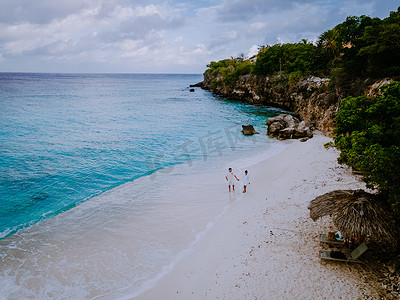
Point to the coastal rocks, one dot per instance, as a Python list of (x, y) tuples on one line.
[(313, 82), (374, 88), (309, 98), (287, 126), (199, 84), (248, 130)]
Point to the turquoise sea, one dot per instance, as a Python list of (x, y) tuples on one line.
[(96, 169)]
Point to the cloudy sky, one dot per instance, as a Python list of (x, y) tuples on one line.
[(165, 36)]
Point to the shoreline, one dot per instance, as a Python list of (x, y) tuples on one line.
[(265, 245)]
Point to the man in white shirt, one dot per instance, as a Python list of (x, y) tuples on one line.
[(230, 177)]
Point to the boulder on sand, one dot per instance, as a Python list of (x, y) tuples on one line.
[(287, 126)]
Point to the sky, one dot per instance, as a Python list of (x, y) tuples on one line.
[(165, 36)]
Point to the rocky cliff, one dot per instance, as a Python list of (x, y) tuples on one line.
[(310, 98)]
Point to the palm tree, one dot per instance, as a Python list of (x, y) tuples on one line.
[(329, 40)]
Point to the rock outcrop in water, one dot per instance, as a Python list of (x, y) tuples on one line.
[(248, 130)]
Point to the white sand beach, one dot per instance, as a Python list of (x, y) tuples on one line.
[(265, 246)]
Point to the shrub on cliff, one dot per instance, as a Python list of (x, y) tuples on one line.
[(368, 135), (227, 71), (299, 57), (290, 60)]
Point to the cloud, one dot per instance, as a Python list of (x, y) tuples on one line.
[(39, 12), (382, 8), (25, 37), (299, 21), (142, 24), (140, 28), (244, 10), (223, 38), (258, 26), (151, 35), (148, 10), (252, 51)]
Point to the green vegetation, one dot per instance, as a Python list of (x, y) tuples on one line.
[(292, 60), (372, 45), (368, 135), (288, 58), (229, 70), (361, 47)]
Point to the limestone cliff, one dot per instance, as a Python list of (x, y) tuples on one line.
[(310, 98)]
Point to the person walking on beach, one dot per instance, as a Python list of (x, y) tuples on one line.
[(230, 177), (246, 181)]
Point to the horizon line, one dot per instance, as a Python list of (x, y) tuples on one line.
[(97, 73)]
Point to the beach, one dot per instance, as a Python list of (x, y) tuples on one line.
[(265, 246), (119, 128), (96, 209)]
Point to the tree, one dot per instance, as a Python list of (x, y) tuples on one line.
[(299, 57), (329, 41), (371, 45), (368, 135), (381, 45)]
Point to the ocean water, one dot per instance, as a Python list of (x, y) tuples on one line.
[(108, 180)]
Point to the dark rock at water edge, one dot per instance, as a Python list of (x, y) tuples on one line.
[(286, 126), (199, 84), (248, 130)]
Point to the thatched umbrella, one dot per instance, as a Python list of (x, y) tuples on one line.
[(356, 214), (325, 204)]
